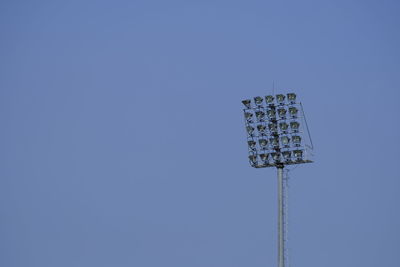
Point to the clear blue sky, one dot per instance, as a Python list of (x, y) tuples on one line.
[(122, 140)]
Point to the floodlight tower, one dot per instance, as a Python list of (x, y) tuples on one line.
[(277, 136)]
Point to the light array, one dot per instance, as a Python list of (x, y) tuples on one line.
[(275, 135)]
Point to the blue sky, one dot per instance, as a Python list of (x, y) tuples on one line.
[(123, 143)]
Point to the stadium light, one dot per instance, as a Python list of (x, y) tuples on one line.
[(258, 100), (269, 99), (280, 141), (291, 98), (247, 103)]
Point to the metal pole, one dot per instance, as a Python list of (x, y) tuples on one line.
[(281, 248)]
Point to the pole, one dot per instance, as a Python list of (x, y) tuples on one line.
[(281, 257)]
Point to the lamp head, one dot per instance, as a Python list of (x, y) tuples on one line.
[(247, 103), (269, 99), (280, 99), (258, 100), (291, 98)]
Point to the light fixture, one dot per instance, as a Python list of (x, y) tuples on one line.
[(298, 154), (296, 139), (253, 159), (272, 127), (286, 155), (248, 116), (252, 144), (263, 143), (260, 115), (282, 113), (275, 156), (250, 130), (280, 99), (247, 103), (271, 113), (285, 141), (264, 157), (294, 125), (283, 126), (291, 98), (293, 111), (258, 100), (269, 99), (274, 141), (261, 129)]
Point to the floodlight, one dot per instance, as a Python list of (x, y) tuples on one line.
[(294, 125), (260, 115), (275, 156), (283, 126), (298, 154), (293, 111), (278, 136), (272, 127), (269, 99), (274, 141), (261, 129), (280, 99), (291, 98), (296, 140), (248, 116), (264, 157), (286, 155), (253, 159), (282, 112), (285, 141), (276, 127), (263, 143), (252, 144), (247, 103), (271, 113), (250, 130), (258, 100)]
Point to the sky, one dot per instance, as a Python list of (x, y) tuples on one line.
[(123, 143)]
